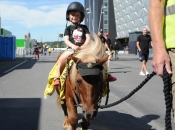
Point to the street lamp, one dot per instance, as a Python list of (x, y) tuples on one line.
[(90, 12), (102, 7)]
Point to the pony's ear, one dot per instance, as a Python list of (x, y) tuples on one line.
[(75, 59), (103, 59)]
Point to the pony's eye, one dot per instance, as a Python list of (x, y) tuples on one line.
[(79, 81)]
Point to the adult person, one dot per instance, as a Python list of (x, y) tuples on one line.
[(143, 42), (116, 49), (108, 41), (36, 50), (100, 34), (161, 20), (45, 49), (49, 51)]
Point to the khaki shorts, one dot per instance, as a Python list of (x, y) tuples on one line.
[(171, 53)]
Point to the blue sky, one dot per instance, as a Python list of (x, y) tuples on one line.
[(44, 19)]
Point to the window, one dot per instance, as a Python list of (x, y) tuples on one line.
[(105, 21), (105, 17), (105, 4)]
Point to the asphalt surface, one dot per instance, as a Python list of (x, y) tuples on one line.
[(22, 106)]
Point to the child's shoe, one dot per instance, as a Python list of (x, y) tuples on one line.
[(56, 82), (111, 78)]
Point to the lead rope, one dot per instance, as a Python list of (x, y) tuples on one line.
[(167, 93), (130, 94), (168, 99)]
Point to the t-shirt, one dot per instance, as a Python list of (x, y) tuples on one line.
[(36, 48), (116, 46), (108, 41), (144, 41), (77, 34), (103, 40)]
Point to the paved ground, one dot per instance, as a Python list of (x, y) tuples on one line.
[(22, 106)]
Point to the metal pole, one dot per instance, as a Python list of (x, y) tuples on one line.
[(92, 25), (100, 19)]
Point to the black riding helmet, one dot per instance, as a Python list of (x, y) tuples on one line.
[(75, 6)]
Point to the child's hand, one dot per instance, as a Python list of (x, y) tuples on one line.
[(76, 48)]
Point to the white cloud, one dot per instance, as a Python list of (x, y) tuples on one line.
[(32, 16)]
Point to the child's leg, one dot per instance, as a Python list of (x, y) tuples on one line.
[(61, 62), (109, 60)]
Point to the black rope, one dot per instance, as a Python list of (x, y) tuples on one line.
[(130, 94), (168, 99)]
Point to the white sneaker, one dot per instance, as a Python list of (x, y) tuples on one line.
[(141, 73), (147, 73)]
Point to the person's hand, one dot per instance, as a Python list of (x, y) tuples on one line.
[(160, 60), (76, 48)]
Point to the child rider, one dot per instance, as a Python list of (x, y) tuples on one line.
[(77, 36)]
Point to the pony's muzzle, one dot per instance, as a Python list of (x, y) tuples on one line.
[(90, 115)]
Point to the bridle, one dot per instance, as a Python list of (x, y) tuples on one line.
[(81, 66)]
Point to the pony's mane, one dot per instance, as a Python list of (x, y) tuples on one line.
[(95, 50)]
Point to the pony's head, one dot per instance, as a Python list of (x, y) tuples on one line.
[(88, 83), (86, 77)]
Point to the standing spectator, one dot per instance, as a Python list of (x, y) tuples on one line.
[(116, 48), (49, 50), (143, 42), (161, 20), (108, 41), (112, 52), (36, 50), (45, 49), (103, 40)]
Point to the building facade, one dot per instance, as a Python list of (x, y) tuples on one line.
[(118, 17)]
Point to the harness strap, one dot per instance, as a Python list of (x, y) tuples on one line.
[(72, 89)]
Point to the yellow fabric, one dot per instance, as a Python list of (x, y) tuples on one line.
[(49, 50), (169, 28), (63, 79), (50, 89), (170, 2), (105, 89)]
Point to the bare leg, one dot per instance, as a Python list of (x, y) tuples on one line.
[(61, 62), (109, 63), (143, 68)]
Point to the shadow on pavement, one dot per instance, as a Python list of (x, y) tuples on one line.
[(120, 72), (19, 113), (9, 64), (130, 59), (113, 120), (121, 68)]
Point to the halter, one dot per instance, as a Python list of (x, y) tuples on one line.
[(85, 69)]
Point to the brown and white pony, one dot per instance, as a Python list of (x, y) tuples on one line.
[(84, 84)]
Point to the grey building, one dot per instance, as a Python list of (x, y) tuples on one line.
[(123, 19)]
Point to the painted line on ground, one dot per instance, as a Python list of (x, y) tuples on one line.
[(14, 67)]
